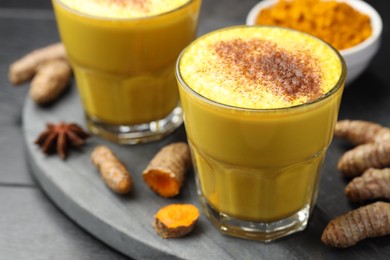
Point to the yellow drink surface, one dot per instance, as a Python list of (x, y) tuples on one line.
[(124, 8), (260, 105), (252, 68), (123, 59)]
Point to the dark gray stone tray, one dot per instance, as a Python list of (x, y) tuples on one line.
[(125, 222)]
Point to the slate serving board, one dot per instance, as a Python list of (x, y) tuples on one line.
[(125, 222)]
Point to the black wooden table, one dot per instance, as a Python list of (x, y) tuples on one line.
[(32, 227)]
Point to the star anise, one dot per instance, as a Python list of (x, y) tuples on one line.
[(59, 138)]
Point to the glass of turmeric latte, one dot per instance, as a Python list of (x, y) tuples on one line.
[(123, 55), (260, 105)]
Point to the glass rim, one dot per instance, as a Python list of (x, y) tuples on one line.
[(123, 19), (341, 81)]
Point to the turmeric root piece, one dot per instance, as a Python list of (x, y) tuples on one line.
[(382, 135), (166, 171), (373, 150), (346, 230), (113, 172), (372, 155), (357, 131), (373, 184), (26, 67), (50, 82), (175, 220)]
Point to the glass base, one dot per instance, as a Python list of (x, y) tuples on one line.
[(140, 133), (261, 231)]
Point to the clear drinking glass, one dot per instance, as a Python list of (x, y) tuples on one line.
[(124, 69), (258, 170)]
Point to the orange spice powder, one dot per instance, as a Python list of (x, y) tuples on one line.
[(335, 22)]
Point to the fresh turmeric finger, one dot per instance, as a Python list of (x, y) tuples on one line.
[(113, 172), (175, 220), (50, 82), (166, 171), (382, 135), (346, 230), (357, 131), (25, 68), (371, 155), (373, 184)]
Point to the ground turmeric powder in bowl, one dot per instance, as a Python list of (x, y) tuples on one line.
[(335, 22)]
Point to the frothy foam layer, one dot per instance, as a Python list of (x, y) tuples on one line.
[(260, 67), (124, 8)]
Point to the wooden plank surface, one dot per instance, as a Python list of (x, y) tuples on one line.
[(32, 228), (20, 35)]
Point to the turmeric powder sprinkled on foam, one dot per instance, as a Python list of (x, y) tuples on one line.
[(290, 75), (260, 67), (335, 22)]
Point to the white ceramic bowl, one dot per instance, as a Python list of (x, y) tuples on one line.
[(357, 57)]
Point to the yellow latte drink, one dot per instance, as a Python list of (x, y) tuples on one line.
[(260, 105), (123, 54)]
